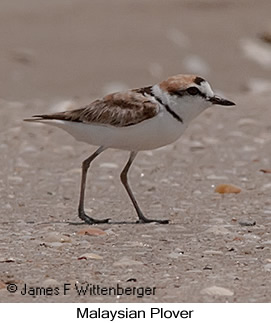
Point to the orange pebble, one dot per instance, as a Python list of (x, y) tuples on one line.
[(227, 189)]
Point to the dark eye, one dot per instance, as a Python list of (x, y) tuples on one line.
[(193, 90)]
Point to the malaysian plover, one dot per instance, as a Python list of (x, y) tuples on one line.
[(139, 119)]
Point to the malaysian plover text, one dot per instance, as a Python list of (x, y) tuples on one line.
[(139, 119)]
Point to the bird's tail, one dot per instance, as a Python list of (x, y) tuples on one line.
[(35, 118)]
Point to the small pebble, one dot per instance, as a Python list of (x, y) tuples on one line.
[(247, 222), (131, 280), (8, 259), (90, 256), (216, 290)]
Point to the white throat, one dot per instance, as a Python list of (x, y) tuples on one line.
[(186, 107)]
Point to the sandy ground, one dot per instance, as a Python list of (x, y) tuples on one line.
[(216, 247)]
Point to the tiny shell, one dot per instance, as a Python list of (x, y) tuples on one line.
[(227, 189)]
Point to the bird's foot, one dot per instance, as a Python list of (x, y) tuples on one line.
[(146, 220), (87, 219)]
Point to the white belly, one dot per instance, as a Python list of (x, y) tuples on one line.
[(150, 134)]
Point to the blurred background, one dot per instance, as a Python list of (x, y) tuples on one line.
[(86, 48), (59, 54)]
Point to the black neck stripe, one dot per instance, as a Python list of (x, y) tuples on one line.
[(148, 91), (174, 114)]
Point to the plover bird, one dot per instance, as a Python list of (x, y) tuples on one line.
[(139, 119)]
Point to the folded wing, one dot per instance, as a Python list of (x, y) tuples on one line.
[(120, 109)]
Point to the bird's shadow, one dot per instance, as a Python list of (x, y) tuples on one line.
[(109, 223), (94, 224)]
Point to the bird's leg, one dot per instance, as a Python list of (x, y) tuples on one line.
[(124, 180), (81, 212)]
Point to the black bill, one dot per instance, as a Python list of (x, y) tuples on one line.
[(220, 101)]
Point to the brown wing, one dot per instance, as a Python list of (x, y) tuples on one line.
[(120, 109)]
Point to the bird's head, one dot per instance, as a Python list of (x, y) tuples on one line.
[(190, 92)]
